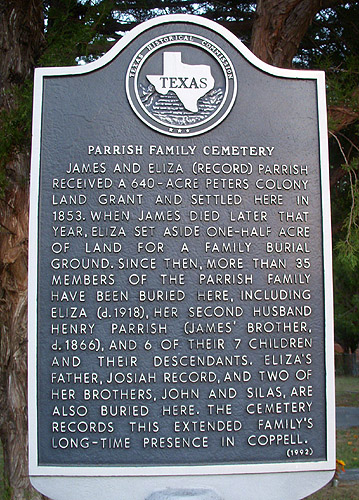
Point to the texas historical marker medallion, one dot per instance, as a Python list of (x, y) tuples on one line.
[(172, 93), (180, 289)]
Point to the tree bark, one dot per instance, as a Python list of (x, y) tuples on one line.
[(278, 30), (279, 27), (21, 36)]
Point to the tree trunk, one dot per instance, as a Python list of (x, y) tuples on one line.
[(280, 26), (21, 35), (278, 30), (13, 314)]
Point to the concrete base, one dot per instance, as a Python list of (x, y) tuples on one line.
[(274, 486)]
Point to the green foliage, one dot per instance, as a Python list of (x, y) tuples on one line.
[(15, 125), (347, 248), (345, 216), (342, 81), (73, 31), (332, 44), (346, 300)]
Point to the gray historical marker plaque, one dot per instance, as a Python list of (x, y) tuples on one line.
[(180, 307)]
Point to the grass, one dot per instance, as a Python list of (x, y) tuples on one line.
[(347, 391), (344, 491), (348, 447)]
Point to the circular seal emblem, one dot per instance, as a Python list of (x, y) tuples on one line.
[(181, 84)]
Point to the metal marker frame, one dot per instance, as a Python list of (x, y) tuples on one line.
[(232, 471)]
